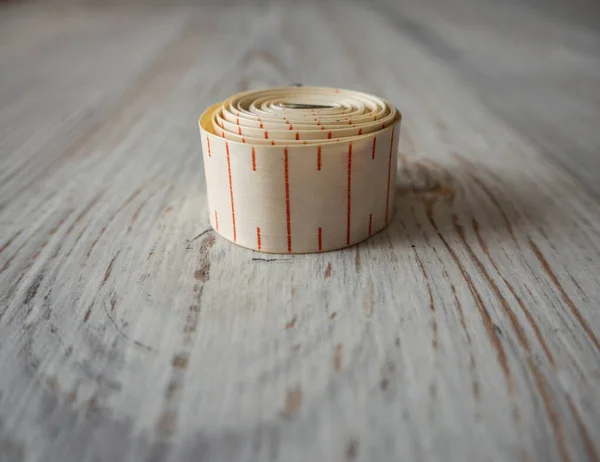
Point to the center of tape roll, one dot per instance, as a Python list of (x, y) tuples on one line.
[(305, 106)]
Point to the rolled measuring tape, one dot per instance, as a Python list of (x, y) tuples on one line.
[(300, 169)]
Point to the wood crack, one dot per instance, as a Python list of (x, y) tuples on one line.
[(522, 338), (548, 270), (123, 334)]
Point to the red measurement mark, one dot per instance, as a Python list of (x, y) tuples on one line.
[(291, 127), (349, 122), (349, 193), (237, 121), (287, 199), (370, 222), (217, 220), (231, 192), (320, 239), (208, 143), (253, 159), (243, 140), (239, 130), (266, 135), (297, 135), (222, 133), (322, 128), (360, 131), (387, 197), (258, 237), (373, 150), (272, 143), (319, 158), (329, 135), (261, 125)]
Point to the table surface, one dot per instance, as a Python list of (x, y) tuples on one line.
[(468, 330)]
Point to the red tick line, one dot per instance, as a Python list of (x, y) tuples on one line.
[(217, 220), (349, 193), (387, 198), (319, 158), (320, 239), (287, 199), (239, 130), (360, 131), (253, 159), (373, 150), (329, 135), (297, 135), (370, 222), (266, 135), (231, 192), (208, 142), (258, 237)]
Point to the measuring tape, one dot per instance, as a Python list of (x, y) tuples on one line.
[(300, 169)]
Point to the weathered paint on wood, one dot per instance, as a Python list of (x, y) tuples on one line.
[(467, 330)]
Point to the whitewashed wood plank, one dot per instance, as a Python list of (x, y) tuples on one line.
[(129, 331), (538, 70)]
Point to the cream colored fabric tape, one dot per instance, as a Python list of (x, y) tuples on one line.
[(300, 169)]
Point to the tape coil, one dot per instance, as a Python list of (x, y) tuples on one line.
[(300, 169)]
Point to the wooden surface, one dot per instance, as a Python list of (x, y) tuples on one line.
[(467, 330)]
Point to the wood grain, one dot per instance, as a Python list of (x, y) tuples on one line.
[(527, 62), (467, 330)]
